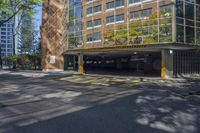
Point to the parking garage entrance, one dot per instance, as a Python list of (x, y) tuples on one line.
[(134, 63)]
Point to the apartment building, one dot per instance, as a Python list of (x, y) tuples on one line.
[(6, 40), (142, 36)]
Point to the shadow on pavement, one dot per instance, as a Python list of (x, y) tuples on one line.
[(151, 109)]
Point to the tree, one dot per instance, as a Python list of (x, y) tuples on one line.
[(143, 30), (73, 41), (12, 8), (26, 34)]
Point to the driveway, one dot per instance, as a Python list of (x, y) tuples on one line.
[(39, 103)]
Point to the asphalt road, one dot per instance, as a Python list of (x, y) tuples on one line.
[(39, 103)]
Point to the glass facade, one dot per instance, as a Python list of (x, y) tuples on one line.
[(75, 24), (187, 21), (106, 23)]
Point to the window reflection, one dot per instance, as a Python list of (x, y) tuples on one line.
[(185, 20)]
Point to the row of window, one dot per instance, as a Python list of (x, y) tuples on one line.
[(8, 50), (117, 18), (120, 17), (112, 5), (6, 25), (94, 37), (4, 41), (4, 29), (118, 1), (3, 54), (8, 46), (94, 23), (6, 37), (4, 33)]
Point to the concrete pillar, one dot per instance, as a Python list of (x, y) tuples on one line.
[(80, 64), (167, 64)]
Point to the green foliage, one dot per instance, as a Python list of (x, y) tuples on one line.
[(11, 8), (121, 35), (12, 59), (27, 34), (143, 30), (135, 28), (25, 61), (109, 36), (73, 41)]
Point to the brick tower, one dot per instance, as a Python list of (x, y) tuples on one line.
[(53, 33)]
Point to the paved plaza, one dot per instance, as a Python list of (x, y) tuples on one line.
[(68, 103)]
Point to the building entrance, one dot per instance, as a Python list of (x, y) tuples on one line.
[(71, 62)]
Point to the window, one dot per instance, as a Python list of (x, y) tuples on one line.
[(94, 37), (189, 11), (135, 14), (110, 19), (89, 0), (97, 9), (3, 41), (120, 17), (94, 23), (89, 10), (3, 33), (117, 18), (89, 38), (3, 37), (146, 12), (189, 34), (9, 41), (180, 33), (3, 29), (9, 29), (134, 1), (9, 50), (97, 22), (179, 8), (9, 37), (89, 24), (139, 14), (9, 46), (110, 5), (94, 9), (167, 9), (119, 3)]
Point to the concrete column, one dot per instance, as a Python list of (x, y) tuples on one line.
[(167, 64), (80, 64)]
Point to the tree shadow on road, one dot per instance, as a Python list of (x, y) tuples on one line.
[(147, 108)]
